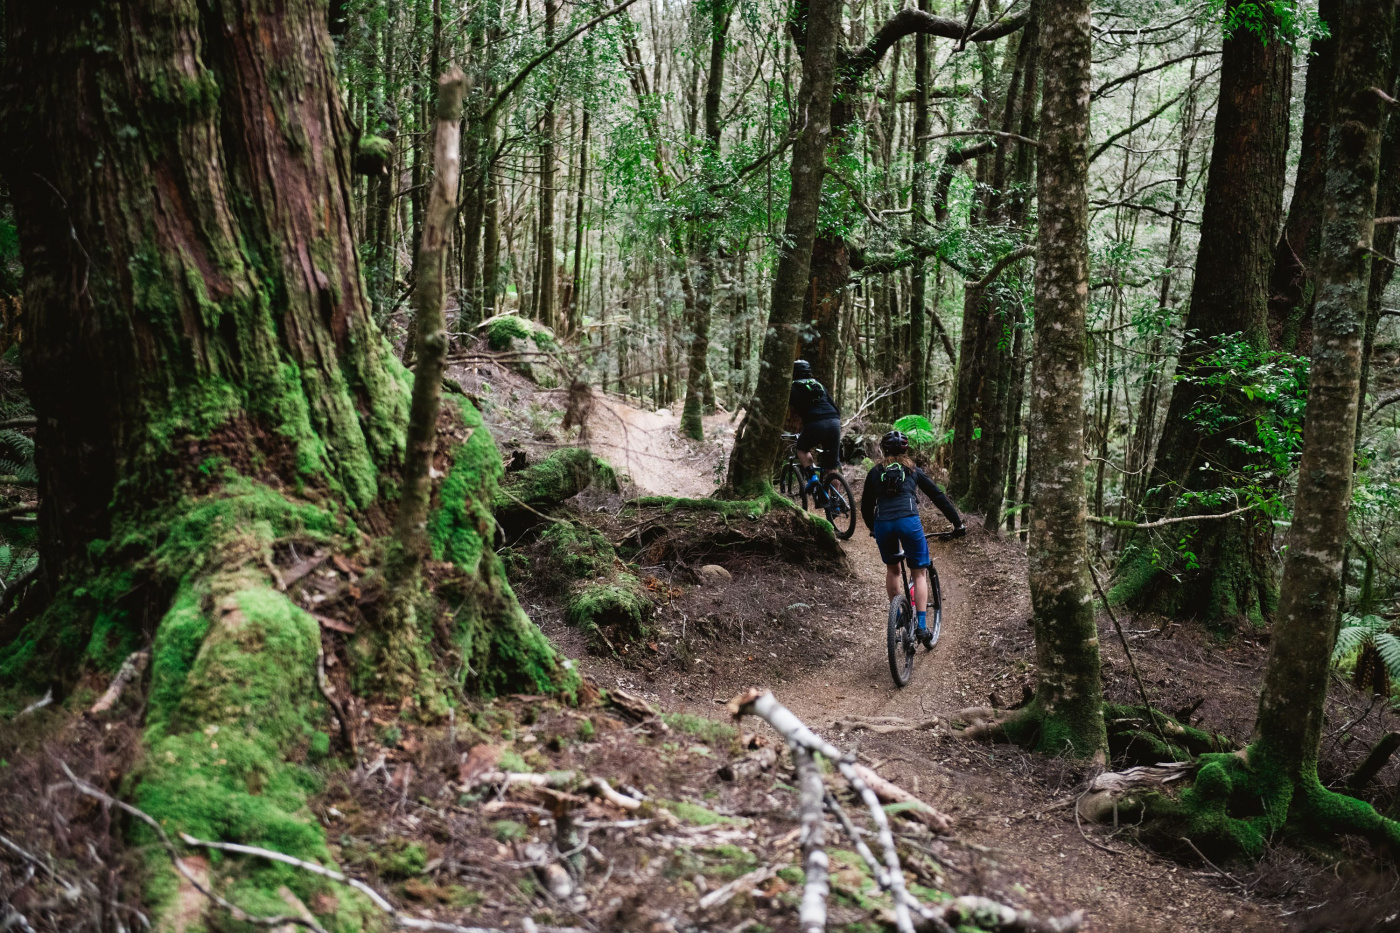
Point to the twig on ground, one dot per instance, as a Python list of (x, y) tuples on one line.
[(1132, 664), (347, 734), (766, 707), (1219, 871)]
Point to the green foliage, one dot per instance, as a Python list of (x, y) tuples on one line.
[(501, 331), (1289, 21), (1371, 650), (920, 430)]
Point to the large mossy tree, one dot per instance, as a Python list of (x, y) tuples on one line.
[(1204, 456), (210, 385), (1239, 801)]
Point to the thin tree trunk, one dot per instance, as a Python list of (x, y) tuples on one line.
[(1068, 707), (544, 253), (576, 292), (429, 298), (756, 441)]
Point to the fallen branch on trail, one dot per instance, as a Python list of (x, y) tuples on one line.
[(883, 725), (870, 788)]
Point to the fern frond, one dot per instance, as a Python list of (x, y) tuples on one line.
[(1349, 641), (1388, 647)]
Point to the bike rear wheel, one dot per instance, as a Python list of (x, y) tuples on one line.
[(899, 640), (840, 506)]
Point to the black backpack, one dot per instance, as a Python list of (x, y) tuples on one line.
[(893, 477)]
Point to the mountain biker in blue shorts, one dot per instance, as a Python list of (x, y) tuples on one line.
[(821, 423), (891, 511)]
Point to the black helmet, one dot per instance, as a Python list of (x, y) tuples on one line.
[(801, 369), (895, 443)]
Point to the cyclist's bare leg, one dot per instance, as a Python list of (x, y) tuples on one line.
[(920, 589), (805, 458), (892, 580)]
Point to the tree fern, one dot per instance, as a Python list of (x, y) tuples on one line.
[(1373, 651)]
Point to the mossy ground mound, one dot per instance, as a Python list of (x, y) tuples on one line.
[(527, 496)]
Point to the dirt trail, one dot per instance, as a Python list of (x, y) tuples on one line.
[(647, 446), (1009, 805)]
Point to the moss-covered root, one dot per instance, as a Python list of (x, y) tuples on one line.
[(1240, 801), (562, 475), (501, 649), (233, 704)]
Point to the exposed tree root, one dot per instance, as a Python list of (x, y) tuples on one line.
[(671, 530), (1239, 802)]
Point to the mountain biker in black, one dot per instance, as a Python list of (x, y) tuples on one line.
[(821, 422), (889, 505)]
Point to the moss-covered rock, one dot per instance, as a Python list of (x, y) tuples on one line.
[(502, 330)]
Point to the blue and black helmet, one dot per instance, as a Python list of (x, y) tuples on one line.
[(801, 369)]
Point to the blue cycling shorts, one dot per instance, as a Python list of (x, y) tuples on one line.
[(902, 533)]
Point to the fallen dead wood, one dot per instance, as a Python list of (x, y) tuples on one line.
[(131, 669), (944, 918), (723, 895), (752, 764)]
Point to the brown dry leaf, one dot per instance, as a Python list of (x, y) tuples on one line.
[(481, 759)]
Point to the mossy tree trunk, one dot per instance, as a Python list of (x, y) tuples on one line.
[(756, 442), (1235, 575), (210, 386), (1274, 782), (1066, 716)]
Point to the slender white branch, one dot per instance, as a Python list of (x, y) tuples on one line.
[(812, 915)]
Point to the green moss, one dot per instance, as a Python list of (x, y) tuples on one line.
[(562, 475), (510, 831), (709, 730), (695, 814), (544, 340), (403, 859), (501, 331), (577, 552), (503, 650), (616, 609), (737, 508)]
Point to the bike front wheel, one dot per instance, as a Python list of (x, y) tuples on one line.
[(789, 483), (840, 506), (899, 640)]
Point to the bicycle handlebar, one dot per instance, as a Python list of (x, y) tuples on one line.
[(944, 536)]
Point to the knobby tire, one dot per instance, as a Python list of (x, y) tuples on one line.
[(899, 640)]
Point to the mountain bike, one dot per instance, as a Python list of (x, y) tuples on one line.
[(832, 495), (900, 639)]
